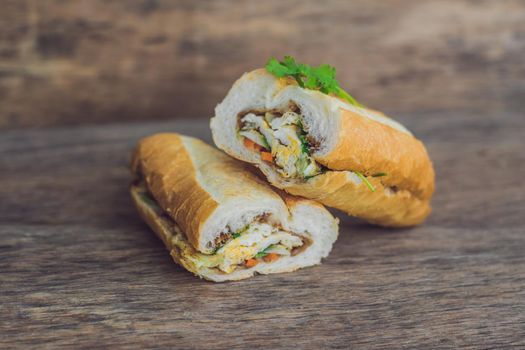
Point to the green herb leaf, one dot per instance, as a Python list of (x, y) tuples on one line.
[(305, 145), (264, 252), (234, 235), (276, 68), (379, 174), (320, 78), (367, 183)]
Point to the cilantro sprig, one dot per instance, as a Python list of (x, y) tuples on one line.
[(320, 78), (365, 180), (305, 145), (233, 236)]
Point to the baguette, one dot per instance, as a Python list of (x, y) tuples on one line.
[(217, 219), (351, 158)]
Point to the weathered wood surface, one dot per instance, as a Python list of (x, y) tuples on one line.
[(74, 62), (78, 268)]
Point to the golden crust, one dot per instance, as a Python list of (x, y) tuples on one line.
[(151, 217), (371, 147), (163, 228), (166, 229), (169, 174), (382, 207)]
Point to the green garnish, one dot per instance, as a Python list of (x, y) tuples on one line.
[(305, 146), (379, 174), (320, 78), (234, 235), (368, 184), (264, 252)]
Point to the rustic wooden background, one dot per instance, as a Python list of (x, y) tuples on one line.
[(98, 61), (78, 268)]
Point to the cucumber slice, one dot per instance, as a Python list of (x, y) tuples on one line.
[(255, 137), (277, 249)]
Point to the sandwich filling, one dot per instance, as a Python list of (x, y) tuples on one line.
[(258, 242), (280, 139)]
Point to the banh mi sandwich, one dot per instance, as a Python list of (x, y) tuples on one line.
[(311, 139), (219, 220)]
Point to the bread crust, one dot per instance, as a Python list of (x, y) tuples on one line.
[(166, 229), (382, 207), (370, 147), (159, 159)]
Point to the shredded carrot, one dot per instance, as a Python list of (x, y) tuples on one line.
[(266, 156), (250, 263), (270, 257), (252, 145), (249, 143)]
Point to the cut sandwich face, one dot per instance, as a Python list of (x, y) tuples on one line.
[(260, 242), (282, 134), (219, 220)]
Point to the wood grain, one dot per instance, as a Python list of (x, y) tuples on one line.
[(79, 269), (78, 62)]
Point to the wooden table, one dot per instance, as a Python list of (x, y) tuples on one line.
[(78, 267)]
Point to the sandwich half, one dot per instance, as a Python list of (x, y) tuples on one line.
[(322, 147), (219, 220)]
